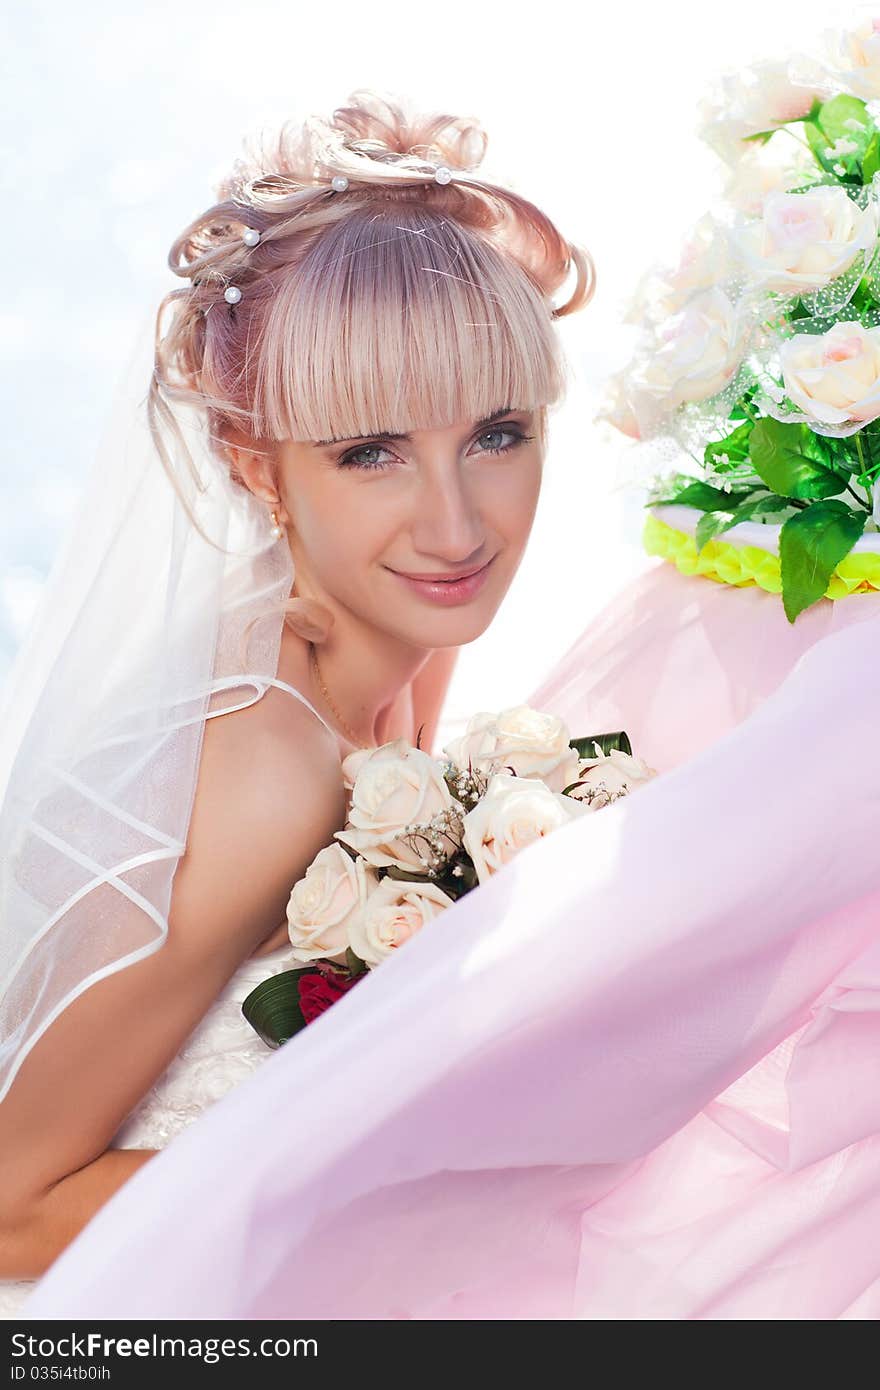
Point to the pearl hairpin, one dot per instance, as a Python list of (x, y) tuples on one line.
[(339, 183)]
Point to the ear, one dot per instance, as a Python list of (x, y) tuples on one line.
[(257, 469)]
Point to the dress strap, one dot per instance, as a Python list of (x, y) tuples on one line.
[(282, 685)]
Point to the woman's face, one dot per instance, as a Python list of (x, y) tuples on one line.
[(420, 534)]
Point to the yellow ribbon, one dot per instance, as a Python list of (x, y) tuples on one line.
[(740, 565)]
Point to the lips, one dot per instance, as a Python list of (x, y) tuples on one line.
[(447, 577), (437, 589)]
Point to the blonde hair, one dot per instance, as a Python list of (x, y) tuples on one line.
[(397, 304)]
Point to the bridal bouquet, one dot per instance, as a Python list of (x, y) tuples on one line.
[(421, 832), (758, 358)]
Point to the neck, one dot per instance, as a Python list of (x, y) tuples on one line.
[(364, 668)]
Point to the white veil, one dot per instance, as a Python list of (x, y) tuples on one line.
[(137, 639)]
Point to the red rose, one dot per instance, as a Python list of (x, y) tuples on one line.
[(318, 990)]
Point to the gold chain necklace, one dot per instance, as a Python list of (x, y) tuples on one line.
[(351, 735)]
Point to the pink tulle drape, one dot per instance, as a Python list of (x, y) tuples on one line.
[(633, 1076)]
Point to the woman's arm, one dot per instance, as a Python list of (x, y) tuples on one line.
[(35, 1233), (264, 806), (429, 689)]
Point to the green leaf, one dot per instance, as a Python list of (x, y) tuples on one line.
[(707, 498), (864, 300), (834, 115), (711, 523), (272, 1009), (735, 445), (831, 122), (818, 142), (792, 460), (744, 406), (606, 742), (871, 158), (667, 488), (355, 965), (714, 523), (811, 544)]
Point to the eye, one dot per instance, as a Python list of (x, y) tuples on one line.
[(498, 431), (368, 455), (354, 457)]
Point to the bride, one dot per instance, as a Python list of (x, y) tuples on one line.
[(633, 1074), (366, 336)]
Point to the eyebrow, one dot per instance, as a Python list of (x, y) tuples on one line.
[(383, 434)]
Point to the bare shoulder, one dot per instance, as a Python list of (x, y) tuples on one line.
[(269, 796)]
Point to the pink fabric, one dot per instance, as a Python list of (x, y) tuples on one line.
[(678, 660), (634, 1076)]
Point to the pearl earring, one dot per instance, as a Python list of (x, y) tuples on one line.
[(277, 530)]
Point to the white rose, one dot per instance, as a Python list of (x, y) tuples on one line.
[(323, 904), (772, 168), (514, 812), (609, 776), (804, 240), (834, 377), (696, 354), (352, 764), (525, 740), (393, 912), (616, 407), (396, 786), (704, 261), (757, 99), (854, 54)]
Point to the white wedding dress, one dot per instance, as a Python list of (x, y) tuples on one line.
[(221, 1051)]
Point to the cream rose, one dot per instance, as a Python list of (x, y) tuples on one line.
[(392, 913), (609, 776), (834, 377), (514, 812), (324, 903), (804, 240), (525, 740), (757, 99), (696, 355), (396, 786), (854, 54)]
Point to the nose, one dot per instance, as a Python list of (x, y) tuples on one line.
[(448, 524)]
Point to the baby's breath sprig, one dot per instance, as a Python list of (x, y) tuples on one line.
[(436, 841), (599, 793), (467, 787)]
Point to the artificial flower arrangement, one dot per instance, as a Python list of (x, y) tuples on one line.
[(758, 357), (421, 832)]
